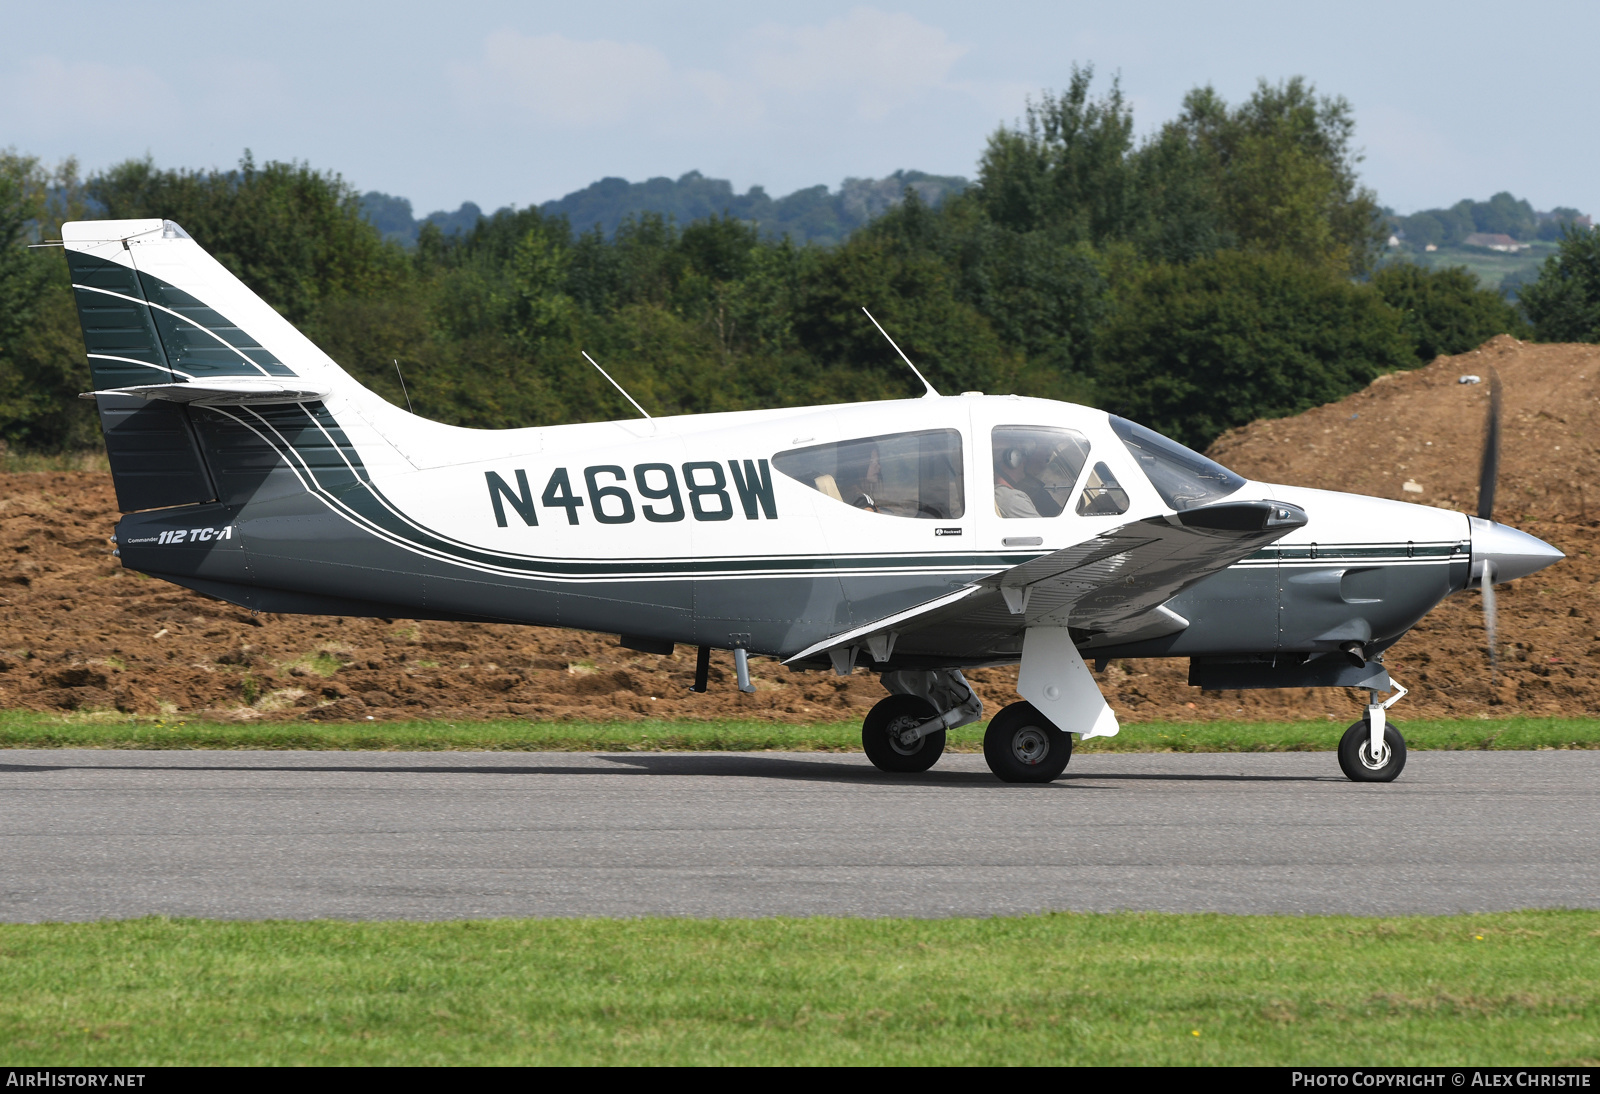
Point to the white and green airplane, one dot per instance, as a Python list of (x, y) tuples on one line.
[(917, 537)]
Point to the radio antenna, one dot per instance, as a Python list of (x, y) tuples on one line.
[(903, 356), (614, 384), (403, 390)]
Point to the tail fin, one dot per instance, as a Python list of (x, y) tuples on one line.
[(166, 326)]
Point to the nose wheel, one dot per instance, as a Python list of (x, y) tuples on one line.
[(1361, 763)]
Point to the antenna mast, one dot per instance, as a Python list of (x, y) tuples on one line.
[(614, 384), (403, 390), (903, 357)]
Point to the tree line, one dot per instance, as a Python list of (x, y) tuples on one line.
[(810, 215), (1220, 269), (1502, 214)]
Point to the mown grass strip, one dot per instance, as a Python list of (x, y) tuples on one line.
[(1499, 989), (28, 729)]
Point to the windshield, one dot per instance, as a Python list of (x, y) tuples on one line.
[(1182, 477)]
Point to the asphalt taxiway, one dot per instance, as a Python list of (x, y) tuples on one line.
[(366, 835)]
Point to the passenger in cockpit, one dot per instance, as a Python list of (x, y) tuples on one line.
[(861, 480)]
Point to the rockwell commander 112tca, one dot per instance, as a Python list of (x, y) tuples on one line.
[(916, 537)]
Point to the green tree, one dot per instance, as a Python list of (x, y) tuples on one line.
[(1564, 304), (1065, 167), (1192, 350), (1559, 219), (294, 235), (541, 311), (1178, 188), (1505, 214), (913, 294), (43, 367), (1445, 311), (1286, 173), (1422, 229), (21, 281)]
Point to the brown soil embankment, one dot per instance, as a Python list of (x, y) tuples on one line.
[(77, 632)]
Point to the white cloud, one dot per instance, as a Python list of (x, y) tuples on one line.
[(46, 93), (867, 64), (879, 61), (567, 83)]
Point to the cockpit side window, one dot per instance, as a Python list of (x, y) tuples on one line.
[(899, 474), (1182, 477), (1102, 494), (1035, 468)]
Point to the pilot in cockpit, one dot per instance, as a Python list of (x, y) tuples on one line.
[(1011, 497), (1020, 464)]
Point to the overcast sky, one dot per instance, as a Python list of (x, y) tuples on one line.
[(517, 103)]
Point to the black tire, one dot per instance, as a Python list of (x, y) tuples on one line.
[(880, 735), (1355, 754), (1023, 746)]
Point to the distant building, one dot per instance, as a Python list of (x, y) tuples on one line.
[(1495, 241), (1394, 241), (1431, 247)]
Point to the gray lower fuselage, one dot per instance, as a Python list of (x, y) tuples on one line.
[(283, 550)]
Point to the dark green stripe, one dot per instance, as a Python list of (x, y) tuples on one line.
[(1331, 553)]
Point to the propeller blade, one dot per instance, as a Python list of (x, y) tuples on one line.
[(1489, 471), (1489, 615)]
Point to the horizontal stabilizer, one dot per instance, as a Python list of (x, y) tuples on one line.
[(222, 391)]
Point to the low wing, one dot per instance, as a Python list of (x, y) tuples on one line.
[(1114, 582)]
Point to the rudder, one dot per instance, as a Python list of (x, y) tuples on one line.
[(166, 326)]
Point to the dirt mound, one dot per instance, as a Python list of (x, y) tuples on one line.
[(78, 632), (1418, 436)]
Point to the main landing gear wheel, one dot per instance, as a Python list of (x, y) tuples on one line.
[(1023, 746), (880, 735), (1360, 765)]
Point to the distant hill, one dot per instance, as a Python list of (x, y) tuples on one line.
[(812, 215), (1502, 241), (392, 216)]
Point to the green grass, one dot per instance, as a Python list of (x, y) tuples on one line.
[(1500, 989), (27, 729), (1489, 267), (92, 459)]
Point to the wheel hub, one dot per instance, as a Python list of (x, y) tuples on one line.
[(1030, 745), (898, 730), (1368, 760)]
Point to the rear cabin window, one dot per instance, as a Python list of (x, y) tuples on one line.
[(899, 474), (1182, 476), (1035, 468)]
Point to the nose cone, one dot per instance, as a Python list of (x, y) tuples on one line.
[(1514, 553)]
